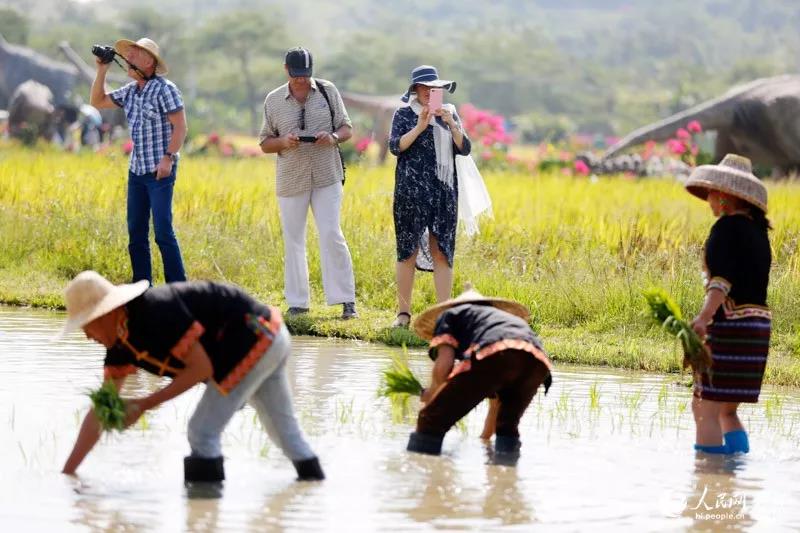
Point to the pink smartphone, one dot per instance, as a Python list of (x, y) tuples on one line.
[(436, 99)]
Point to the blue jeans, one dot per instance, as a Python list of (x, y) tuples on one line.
[(146, 193), (266, 388)]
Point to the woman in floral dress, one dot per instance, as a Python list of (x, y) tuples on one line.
[(425, 142)]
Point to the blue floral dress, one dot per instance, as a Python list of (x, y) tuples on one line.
[(423, 204)]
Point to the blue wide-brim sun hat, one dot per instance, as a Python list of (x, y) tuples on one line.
[(427, 75)]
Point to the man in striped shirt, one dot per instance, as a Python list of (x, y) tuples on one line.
[(154, 108), (304, 121)]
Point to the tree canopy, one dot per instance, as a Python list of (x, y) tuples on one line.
[(550, 66)]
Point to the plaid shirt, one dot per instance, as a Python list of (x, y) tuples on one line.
[(146, 111), (308, 166)]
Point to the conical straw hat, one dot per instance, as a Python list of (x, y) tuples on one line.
[(89, 295), (734, 176), (426, 321)]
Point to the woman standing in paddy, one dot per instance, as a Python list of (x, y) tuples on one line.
[(425, 142), (735, 319)]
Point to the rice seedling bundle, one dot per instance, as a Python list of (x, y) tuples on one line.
[(108, 406), (666, 312), (399, 381)]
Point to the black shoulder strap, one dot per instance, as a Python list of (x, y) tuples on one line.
[(327, 99), (333, 126)]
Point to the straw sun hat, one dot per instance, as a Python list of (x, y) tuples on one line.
[(123, 46), (734, 176), (91, 296), (426, 321)]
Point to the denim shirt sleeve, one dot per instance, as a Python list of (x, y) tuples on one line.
[(400, 126)]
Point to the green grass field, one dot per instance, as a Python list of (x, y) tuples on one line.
[(578, 253)]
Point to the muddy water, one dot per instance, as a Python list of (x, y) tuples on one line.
[(603, 449)]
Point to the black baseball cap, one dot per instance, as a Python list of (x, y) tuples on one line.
[(299, 63)]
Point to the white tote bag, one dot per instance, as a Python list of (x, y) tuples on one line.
[(473, 198)]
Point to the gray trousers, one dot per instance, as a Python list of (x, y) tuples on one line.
[(266, 388)]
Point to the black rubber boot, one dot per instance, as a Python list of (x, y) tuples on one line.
[(425, 443), (203, 469), (506, 444), (309, 470)]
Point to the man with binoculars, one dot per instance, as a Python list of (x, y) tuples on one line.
[(154, 108)]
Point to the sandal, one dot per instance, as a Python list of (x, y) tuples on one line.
[(402, 321)]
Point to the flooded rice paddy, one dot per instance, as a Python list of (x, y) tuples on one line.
[(603, 449)]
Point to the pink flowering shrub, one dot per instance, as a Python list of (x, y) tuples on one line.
[(694, 127), (490, 140), (685, 144), (581, 168), (362, 144)]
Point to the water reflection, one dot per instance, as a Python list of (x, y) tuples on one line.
[(603, 449)]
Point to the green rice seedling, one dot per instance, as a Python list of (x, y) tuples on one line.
[(399, 385), (344, 411), (22, 451), (108, 406), (562, 406), (594, 397), (667, 313), (400, 410), (399, 381), (264, 451), (773, 408), (662, 396), (633, 401)]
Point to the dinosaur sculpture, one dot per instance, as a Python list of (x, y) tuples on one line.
[(381, 108), (19, 64), (31, 110), (760, 120)]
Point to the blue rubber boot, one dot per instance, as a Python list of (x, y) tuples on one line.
[(425, 443), (711, 449), (737, 441)]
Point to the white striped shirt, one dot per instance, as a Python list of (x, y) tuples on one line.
[(308, 166)]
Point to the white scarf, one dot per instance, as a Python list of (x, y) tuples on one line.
[(443, 143)]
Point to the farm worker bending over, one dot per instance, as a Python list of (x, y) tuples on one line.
[(192, 332), (498, 356)]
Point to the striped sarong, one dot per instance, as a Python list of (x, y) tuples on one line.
[(739, 350)]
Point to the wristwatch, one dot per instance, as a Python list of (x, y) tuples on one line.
[(173, 156), (335, 137)]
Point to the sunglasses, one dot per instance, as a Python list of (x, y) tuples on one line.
[(302, 118)]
